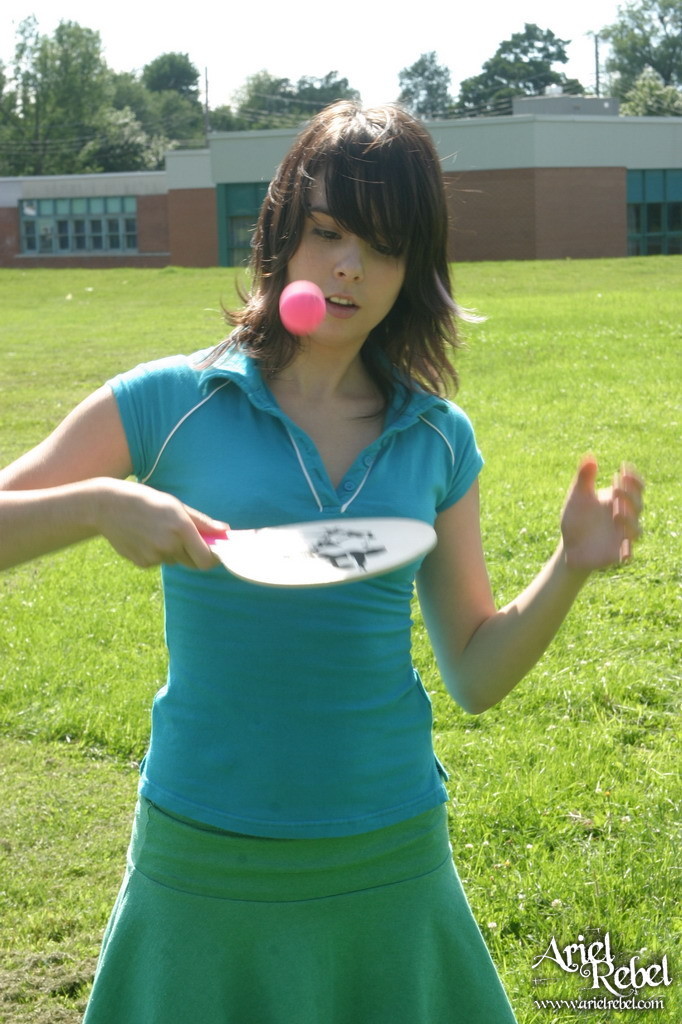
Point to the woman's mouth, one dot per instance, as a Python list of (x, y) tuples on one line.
[(341, 306)]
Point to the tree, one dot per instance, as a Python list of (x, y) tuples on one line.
[(174, 106), (168, 113), (224, 119), (649, 97), (268, 102), (172, 72), (521, 66), (178, 118), (51, 104), (63, 111), (265, 101), (424, 88), (128, 91), (122, 144), (317, 93), (648, 34)]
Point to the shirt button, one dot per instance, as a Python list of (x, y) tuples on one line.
[(367, 461), (349, 485)]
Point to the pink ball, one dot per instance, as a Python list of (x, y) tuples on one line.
[(302, 307)]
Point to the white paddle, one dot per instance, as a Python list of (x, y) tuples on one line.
[(322, 553)]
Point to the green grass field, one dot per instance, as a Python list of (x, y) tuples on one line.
[(565, 798)]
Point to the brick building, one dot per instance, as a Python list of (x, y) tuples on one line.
[(562, 177)]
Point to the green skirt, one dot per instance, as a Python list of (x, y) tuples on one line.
[(226, 929)]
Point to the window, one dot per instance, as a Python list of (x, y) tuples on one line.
[(654, 213), (238, 206), (63, 235), (240, 231), (98, 224), (113, 233)]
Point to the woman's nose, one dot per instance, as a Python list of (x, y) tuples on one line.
[(349, 264)]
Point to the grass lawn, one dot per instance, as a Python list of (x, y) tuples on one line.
[(565, 798)]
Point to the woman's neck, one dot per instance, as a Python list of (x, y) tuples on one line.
[(320, 376)]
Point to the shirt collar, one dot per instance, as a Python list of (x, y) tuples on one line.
[(405, 407)]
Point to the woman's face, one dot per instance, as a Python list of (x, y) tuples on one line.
[(360, 283)]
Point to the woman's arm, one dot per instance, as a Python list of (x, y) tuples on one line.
[(483, 653), (72, 486)]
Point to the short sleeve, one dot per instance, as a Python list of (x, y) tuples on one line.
[(151, 399), (465, 458)]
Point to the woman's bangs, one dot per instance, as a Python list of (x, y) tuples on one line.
[(365, 196)]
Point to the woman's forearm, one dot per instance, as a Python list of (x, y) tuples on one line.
[(146, 526), (36, 522), (511, 641)]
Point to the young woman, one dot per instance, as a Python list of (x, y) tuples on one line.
[(290, 861)]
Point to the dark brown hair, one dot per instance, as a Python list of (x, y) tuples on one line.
[(383, 183)]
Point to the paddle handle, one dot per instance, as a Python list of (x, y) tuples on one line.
[(211, 538)]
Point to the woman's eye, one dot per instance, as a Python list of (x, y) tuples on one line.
[(384, 250), (327, 234)]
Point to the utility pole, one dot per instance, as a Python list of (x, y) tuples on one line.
[(206, 119), (597, 79)]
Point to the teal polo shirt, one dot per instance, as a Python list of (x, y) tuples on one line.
[(288, 713)]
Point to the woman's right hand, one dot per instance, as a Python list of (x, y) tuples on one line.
[(149, 527)]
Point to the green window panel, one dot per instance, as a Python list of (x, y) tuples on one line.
[(238, 206), (654, 212)]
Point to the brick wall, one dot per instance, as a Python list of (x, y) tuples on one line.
[(89, 262), (193, 227), (580, 212), (538, 213), (152, 224), (492, 215), (9, 235)]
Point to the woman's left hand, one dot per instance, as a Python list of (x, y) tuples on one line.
[(599, 526)]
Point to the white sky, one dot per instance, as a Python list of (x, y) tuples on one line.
[(368, 43)]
